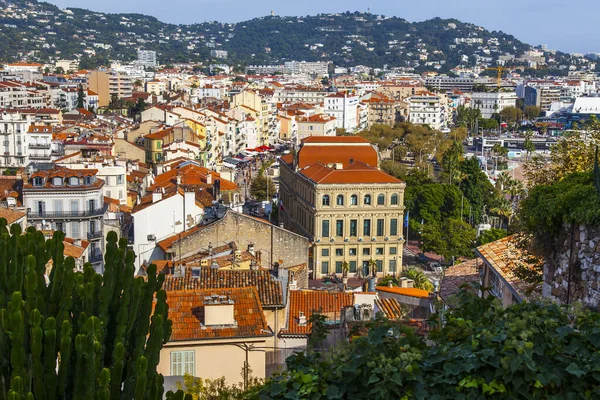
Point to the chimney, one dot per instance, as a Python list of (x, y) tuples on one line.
[(178, 178), (218, 310), (208, 179), (251, 249), (302, 319), (156, 195)]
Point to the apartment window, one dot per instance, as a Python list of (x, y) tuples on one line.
[(183, 362), (394, 200), (367, 227), (339, 251), (325, 228), (339, 227), (379, 265), (325, 252), (340, 200), (394, 227), (381, 199), (496, 285), (353, 227), (393, 250), (119, 179), (75, 230), (392, 266), (366, 251), (352, 265), (380, 225), (353, 200), (37, 181), (352, 251), (325, 201), (338, 267), (325, 267), (367, 200)]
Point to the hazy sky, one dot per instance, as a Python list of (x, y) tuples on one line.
[(570, 26)]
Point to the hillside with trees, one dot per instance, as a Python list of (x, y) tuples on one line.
[(45, 31)]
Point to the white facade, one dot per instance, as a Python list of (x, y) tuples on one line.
[(113, 175), (13, 133), (343, 107), (163, 218), (39, 144), (493, 102), (426, 110), (305, 67), (69, 202), (146, 58)]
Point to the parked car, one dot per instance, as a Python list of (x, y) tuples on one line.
[(423, 258)]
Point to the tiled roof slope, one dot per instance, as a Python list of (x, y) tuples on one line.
[(390, 307), (329, 304), (269, 289), (309, 155), (504, 256), (186, 310), (457, 275)]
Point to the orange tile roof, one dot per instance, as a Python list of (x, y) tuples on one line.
[(390, 307), (166, 244), (458, 275), (329, 304), (269, 289), (335, 139), (11, 216), (336, 154), (191, 175), (504, 256), (411, 292), (187, 311), (353, 173), (159, 134)]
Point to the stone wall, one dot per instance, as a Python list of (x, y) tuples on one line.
[(273, 243), (583, 284)]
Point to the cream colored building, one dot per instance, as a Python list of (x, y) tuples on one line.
[(333, 193), (214, 331), (315, 125)]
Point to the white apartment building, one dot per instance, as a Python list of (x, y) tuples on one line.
[(300, 94), (13, 132), (492, 102), (203, 92), (15, 95), (343, 107), (70, 201), (426, 109), (159, 217), (146, 58), (39, 143), (112, 172), (304, 67)]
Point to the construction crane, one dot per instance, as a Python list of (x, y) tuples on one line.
[(500, 69)]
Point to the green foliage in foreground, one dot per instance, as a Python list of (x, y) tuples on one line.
[(82, 335), (527, 351)]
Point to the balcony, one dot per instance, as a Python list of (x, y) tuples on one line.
[(66, 214), (39, 145), (94, 235), (39, 156), (95, 258)]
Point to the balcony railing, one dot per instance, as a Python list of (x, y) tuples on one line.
[(39, 156), (94, 258), (66, 214), (94, 235), (39, 145)]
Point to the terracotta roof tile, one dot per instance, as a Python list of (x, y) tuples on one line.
[(329, 304), (458, 275), (269, 289), (411, 292), (11, 216), (187, 311), (390, 307)]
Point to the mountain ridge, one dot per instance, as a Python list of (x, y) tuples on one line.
[(41, 31)]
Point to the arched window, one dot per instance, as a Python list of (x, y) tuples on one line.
[(325, 200), (37, 181), (367, 201), (340, 200), (394, 199), (381, 199), (353, 200), (56, 181)]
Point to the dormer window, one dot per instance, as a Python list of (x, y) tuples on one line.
[(57, 181), (37, 181), (88, 180), (73, 181)]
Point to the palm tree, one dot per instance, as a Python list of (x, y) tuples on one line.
[(373, 268), (504, 210), (421, 281), (503, 181)]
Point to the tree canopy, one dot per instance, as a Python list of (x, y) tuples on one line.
[(483, 351)]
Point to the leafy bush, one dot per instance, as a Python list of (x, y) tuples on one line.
[(483, 351)]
